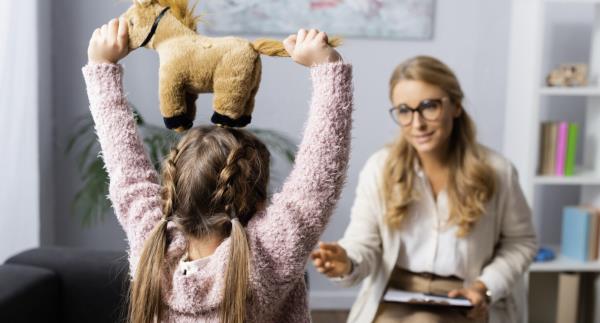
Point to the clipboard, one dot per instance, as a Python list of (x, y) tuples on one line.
[(402, 296)]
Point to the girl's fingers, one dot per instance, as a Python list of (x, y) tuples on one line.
[(301, 35), (322, 36), (123, 29), (95, 35), (103, 31), (312, 34), (113, 29), (290, 43)]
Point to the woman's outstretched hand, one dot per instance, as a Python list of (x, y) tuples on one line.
[(331, 260), (310, 48), (109, 43)]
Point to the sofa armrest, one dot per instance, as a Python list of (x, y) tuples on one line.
[(28, 294), (93, 284)]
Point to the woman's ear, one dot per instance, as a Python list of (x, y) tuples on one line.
[(457, 110)]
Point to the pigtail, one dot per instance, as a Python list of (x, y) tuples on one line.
[(232, 192), (145, 293)]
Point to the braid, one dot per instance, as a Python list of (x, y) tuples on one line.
[(168, 190), (232, 183)]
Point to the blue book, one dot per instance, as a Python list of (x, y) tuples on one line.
[(575, 233)]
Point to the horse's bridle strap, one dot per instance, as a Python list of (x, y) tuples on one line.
[(154, 27)]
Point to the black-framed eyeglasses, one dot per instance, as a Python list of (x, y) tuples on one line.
[(428, 109)]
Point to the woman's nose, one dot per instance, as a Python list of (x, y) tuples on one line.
[(418, 121)]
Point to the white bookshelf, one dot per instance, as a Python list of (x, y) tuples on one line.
[(574, 91), (562, 264), (584, 177), (529, 103)]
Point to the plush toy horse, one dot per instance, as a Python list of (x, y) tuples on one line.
[(191, 63)]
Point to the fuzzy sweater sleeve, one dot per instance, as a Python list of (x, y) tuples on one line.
[(134, 188), (284, 235)]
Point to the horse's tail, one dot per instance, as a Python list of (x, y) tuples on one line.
[(272, 47)]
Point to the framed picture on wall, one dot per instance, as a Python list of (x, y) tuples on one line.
[(394, 19)]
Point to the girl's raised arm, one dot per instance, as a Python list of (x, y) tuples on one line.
[(292, 224), (134, 187)]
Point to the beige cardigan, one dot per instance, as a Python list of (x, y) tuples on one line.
[(500, 247)]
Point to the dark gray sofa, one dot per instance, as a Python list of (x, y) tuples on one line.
[(64, 285)]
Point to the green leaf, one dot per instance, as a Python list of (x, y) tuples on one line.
[(85, 155), (86, 129)]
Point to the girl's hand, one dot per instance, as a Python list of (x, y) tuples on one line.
[(310, 48), (331, 260), (109, 43), (476, 295)]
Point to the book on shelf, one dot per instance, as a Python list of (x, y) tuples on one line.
[(571, 149), (567, 302), (580, 239), (561, 148), (558, 148)]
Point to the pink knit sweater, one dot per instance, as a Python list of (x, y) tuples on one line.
[(281, 237)]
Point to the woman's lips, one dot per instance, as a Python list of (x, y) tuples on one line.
[(423, 138)]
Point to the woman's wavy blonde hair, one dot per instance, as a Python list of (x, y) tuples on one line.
[(472, 179), (213, 181)]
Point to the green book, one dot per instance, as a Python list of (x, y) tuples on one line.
[(571, 149)]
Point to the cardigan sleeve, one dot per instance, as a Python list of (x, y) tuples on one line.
[(286, 232), (362, 239), (517, 244), (134, 188)]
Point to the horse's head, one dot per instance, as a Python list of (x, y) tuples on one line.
[(143, 13), (140, 17)]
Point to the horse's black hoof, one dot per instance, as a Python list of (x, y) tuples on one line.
[(226, 121), (176, 122)]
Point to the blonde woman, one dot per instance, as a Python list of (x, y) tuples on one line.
[(205, 245), (435, 212)]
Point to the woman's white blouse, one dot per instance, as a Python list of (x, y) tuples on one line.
[(429, 243)]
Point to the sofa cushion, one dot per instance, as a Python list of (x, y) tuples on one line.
[(28, 294), (93, 284)]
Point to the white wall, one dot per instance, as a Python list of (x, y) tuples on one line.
[(19, 172), (470, 36)]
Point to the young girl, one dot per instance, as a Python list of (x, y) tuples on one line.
[(204, 245), (435, 212)]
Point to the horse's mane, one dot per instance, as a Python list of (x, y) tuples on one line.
[(182, 11)]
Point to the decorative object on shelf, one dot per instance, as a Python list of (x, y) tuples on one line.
[(544, 254), (568, 75), (406, 19), (91, 203)]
